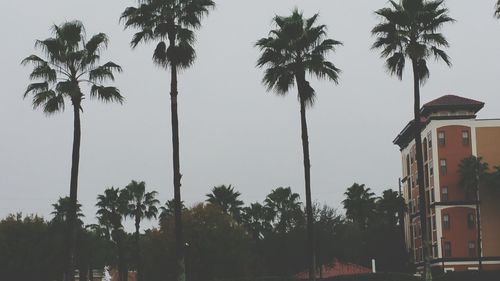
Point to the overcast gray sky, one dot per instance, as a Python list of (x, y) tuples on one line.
[(232, 130)]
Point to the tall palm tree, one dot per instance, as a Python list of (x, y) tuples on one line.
[(227, 199), (474, 173), (70, 61), (410, 30), (112, 207), (295, 48), (141, 205), (170, 22), (359, 204), (284, 207)]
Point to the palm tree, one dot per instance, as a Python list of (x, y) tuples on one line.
[(257, 220), (141, 205), (284, 209), (61, 211), (70, 61), (410, 30), (392, 206), (296, 47), (173, 21), (474, 173), (112, 207), (227, 199), (359, 204), (497, 9)]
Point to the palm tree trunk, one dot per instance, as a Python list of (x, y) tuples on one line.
[(75, 160), (138, 247), (307, 177), (420, 173), (179, 244), (478, 220)]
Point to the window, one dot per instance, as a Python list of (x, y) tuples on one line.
[(444, 194), (410, 206), (465, 137), (433, 222), (434, 250), (472, 248), (431, 169), (430, 141), (447, 249), (425, 150), (407, 165), (441, 138), (471, 220), (446, 221), (432, 195), (443, 166)]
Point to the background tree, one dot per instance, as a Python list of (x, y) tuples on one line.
[(257, 220), (295, 48), (70, 61), (359, 204), (284, 208), (172, 21), (497, 9), (141, 205), (112, 206), (410, 29), (474, 173), (227, 199)]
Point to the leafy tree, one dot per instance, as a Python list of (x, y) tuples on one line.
[(70, 61), (297, 46), (410, 30), (112, 207), (474, 173), (497, 9), (227, 199), (173, 21), (284, 208), (359, 204), (141, 205)]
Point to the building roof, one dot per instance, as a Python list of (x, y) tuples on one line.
[(451, 102)]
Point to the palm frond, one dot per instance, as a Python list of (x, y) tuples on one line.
[(36, 88), (106, 94), (96, 44), (45, 72)]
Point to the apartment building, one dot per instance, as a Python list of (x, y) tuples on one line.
[(450, 133)]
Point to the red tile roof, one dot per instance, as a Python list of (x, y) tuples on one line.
[(337, 268), (452, 100)]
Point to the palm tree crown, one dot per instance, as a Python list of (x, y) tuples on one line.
[(172, 20), (227, 199), (112, 206), (70, 60), (62, 209), (410, 29), (295, 48), (284, 207), (359, 204), (141, 204)]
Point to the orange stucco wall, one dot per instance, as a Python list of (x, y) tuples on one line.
[(488, 147)]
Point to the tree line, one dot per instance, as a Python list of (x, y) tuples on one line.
[(293, 52), (225, 238)]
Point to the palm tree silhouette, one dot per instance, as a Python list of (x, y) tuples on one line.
[(409, 30), (70, 61), (173, 21), (295, 48)]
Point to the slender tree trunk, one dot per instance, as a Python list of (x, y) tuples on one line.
[(138, 247), (75, 160), (420, 172), (478, 223), (122, 267), (179, 242)]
